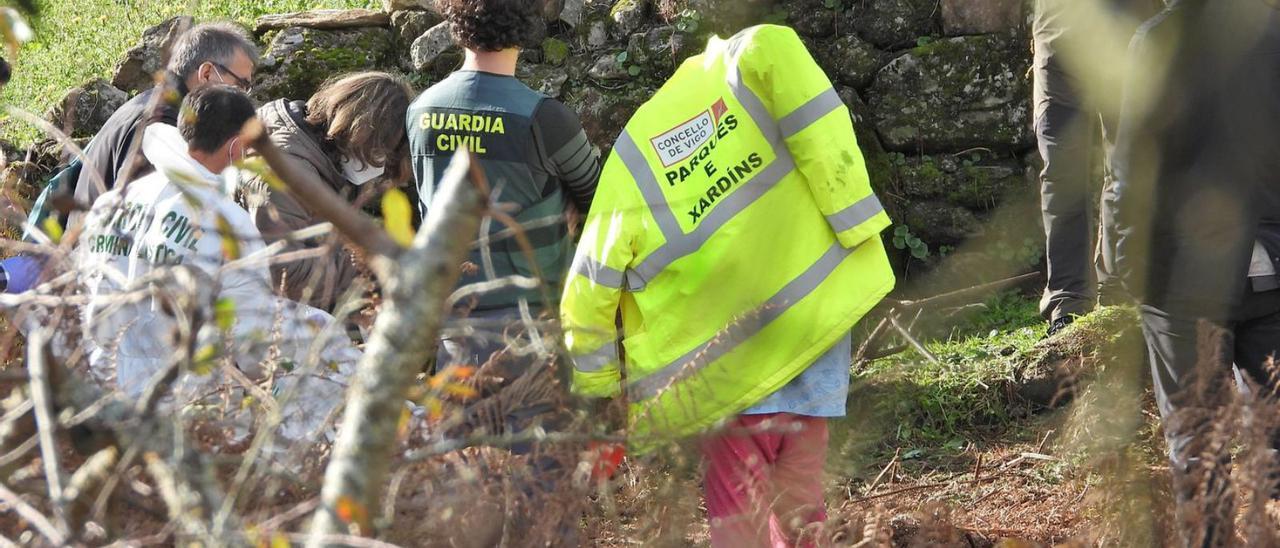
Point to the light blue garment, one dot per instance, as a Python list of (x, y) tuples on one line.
[(820, 391)]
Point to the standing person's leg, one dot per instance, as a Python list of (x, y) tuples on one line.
[(1109, 289), (1064, 134), (1258, 334), (1257, 341), (736, 481), (796, 494), (1200, 470), (1172, 353)]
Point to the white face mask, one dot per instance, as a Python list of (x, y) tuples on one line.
[(360, 173)]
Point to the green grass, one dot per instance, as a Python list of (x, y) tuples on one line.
[(77, 40), (940, 402)]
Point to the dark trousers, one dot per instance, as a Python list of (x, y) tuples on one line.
[(1173, 352), (1070, 129)]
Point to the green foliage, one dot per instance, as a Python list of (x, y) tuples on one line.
[(555, 51), (77, 40), (904, 239), (688, 21)]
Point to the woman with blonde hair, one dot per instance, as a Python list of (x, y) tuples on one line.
[(348, 134)]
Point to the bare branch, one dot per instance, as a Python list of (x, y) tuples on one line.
[(42, 400), (404, 338), (33, 516)]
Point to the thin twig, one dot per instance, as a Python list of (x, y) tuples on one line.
[(33, 516), (893, 318), (983, 288), (42, 400)]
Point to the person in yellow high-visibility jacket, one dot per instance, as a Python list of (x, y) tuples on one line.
[(735, 229)]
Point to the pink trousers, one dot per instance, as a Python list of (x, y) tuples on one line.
[(764, 488)]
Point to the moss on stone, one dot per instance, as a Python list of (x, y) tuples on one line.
[(554, 51)]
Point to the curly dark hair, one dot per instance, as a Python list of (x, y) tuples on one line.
[(494, 25)]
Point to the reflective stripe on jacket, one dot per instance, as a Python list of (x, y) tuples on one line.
[(736, 230)]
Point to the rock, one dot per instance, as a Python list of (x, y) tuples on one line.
[(137, 70), (976, 180), (893, 24), (726, 17), (551, 10), (410, 24), (629, 15), (598, 34), (665, 48), (954, 94), (848, 60), (391, 6), (323, 20), (604, 114), (609, 67), (83, 110), (812, 18), (546, 79), (572, 12), (940, 223), (429, 47), (960, 17), (299, 59)]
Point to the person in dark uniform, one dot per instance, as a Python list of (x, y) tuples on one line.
[(1076, 92), (1198, 211), (540, 168)]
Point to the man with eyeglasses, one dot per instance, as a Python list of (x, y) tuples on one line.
[(208, 54), (213, 53)]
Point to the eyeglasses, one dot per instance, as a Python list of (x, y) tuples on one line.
[(241, 83)]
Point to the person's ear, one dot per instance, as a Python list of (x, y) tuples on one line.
[(204, 73)]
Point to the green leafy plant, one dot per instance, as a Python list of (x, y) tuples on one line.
[(688, 20), (904, 239)]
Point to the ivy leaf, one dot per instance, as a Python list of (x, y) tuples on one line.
[(257, 165), (901, 230), (224, 313), (52, 228), (278, 540), (230, 244), (202, 365), (622, 57), (633, 70), (899, 242), (397, 215), (920, 252), (402, 428)]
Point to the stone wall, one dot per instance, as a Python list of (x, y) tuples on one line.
[(939, 89)]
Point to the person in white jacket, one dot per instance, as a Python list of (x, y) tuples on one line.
[(181, 223)]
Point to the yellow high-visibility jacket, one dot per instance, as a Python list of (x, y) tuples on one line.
[(735, 228)]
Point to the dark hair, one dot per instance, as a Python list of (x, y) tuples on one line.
[(213, 115), (361, 115), (493, 25), (209, 43), (5, 72)]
